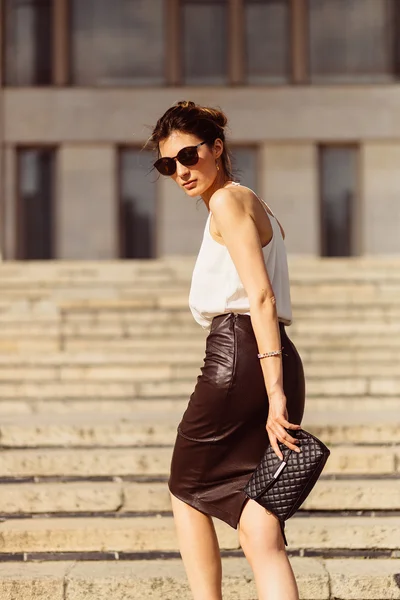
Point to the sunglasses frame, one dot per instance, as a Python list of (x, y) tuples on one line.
[(176, 158)]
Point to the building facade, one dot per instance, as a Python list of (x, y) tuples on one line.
[(310, 87)]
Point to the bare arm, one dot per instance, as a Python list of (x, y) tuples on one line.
[(240, 235)]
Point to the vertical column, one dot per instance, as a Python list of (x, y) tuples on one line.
[(181, 221), (2, 186), (173, 43), (86, 214), (381, 183), (60, 42), (236, 42), (289, 184), (10, 200), (300, 41)]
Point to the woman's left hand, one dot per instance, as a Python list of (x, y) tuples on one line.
[(276, 426)]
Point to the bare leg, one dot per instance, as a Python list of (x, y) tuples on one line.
[(261, 539), (199, 549)]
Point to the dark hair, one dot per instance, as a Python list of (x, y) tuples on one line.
[(206, 123)]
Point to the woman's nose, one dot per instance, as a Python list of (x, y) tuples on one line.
[(181, 170)]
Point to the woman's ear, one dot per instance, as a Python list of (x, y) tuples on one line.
[(218, 148)]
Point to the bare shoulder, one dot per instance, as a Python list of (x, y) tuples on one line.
[(239, 201), (235, 199)]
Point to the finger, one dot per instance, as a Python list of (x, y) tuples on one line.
[(277, 451), (289, 445), (288, 425), (284, 435), (284, 438), (293, 447), (274, 433), (274, 444)]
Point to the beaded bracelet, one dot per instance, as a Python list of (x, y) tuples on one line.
[(268, 354)]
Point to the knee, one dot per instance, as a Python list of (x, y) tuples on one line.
[(258, 540)]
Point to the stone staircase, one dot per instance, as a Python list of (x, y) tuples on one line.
[(97, 361)]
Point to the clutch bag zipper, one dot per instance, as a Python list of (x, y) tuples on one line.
[(273, 480)]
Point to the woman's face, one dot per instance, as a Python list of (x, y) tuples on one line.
[(196, 179)]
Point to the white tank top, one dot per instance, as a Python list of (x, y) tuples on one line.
[(216, 286)]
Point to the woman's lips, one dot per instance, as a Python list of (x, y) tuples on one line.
[(189, 184)]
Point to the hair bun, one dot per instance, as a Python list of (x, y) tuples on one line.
[(186, 104), (214, 114)]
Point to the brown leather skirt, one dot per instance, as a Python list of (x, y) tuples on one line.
[(222, 436)]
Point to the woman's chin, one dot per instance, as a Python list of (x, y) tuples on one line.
[(192, 190), (192, 193), (197, 189)]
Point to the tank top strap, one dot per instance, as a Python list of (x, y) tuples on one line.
[(262, 202)]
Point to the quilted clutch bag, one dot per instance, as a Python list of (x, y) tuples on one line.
[(281, 486)]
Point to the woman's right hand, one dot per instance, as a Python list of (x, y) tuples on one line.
[(276, 426)]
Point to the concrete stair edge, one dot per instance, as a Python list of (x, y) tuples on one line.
[(373, 461), (317, 579), (152, 497), (157, 533)]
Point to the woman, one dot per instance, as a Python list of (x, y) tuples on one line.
[(241, 402)]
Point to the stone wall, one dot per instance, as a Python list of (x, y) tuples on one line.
[(286, 124)]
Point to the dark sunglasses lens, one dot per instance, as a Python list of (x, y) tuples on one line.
[(188, 156), (165, 166)]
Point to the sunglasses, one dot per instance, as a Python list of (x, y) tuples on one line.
[(186, 156)]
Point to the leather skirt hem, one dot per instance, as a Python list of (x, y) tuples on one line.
[(209, 509)]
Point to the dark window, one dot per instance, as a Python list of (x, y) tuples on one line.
[(245, 165), (338, 181), (118, 42), (352, 40), (28, 42), (137, 204), (267, 41), (35, 203), (205, 42)]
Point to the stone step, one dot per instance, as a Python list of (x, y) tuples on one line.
[(359, 284), (32, 318), (144, 534), (138, 497), (103, 273), (151, 387), (172, 372), (39, 314), (94, 429), (323, 342), (191, 356), (20, 406), (107, 328), (17, 328), (128, 346), (177, 298), (345, 459), (91, 267), (106, 274), (109, 279), (115, 278), (29, 345), (329, 579)]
